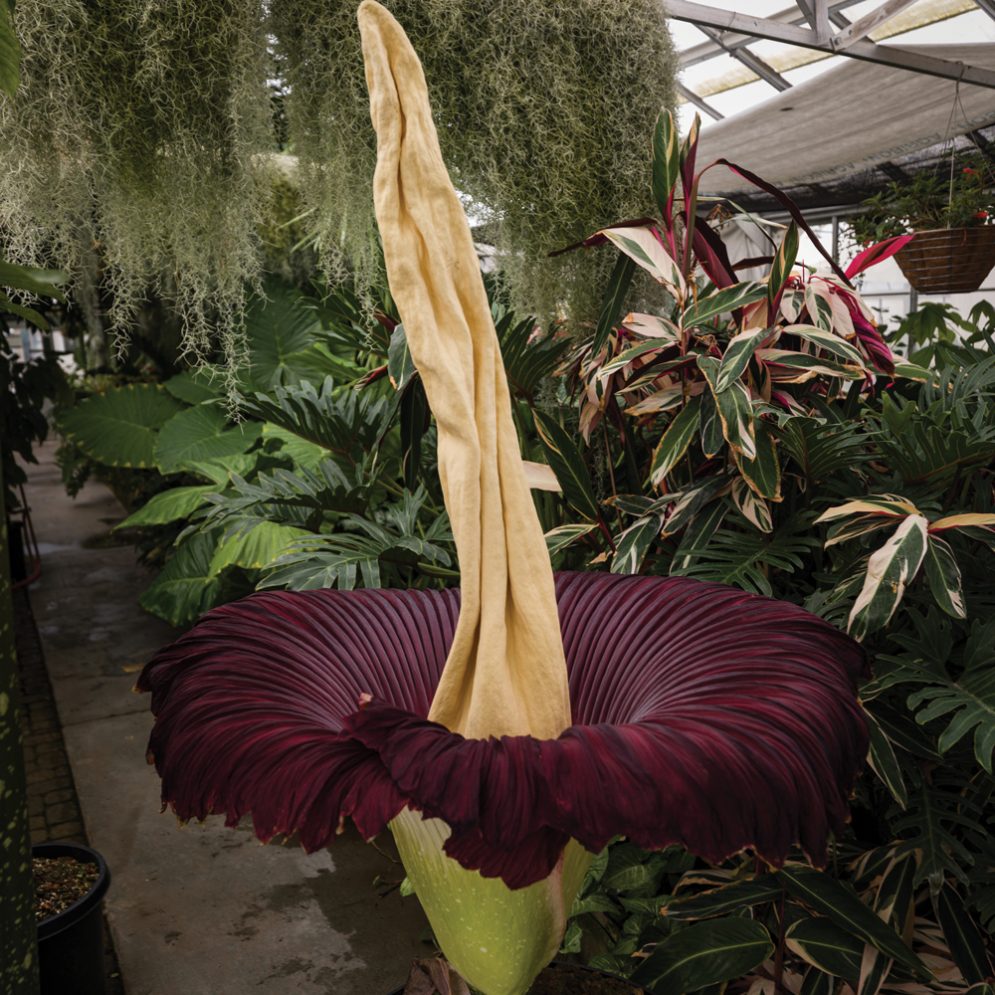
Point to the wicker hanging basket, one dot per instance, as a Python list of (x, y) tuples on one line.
[(948, 260)]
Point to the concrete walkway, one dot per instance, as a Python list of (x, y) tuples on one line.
[(201, 910)]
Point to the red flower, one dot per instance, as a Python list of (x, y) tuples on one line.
[(703, 716)]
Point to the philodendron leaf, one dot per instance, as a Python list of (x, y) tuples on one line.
[(568, 465), (254, 548), (706, 953), (943, 575), (675, 441), (185, 588), (889, 571), (840, 903), (169, 506), (201, 433), (119, 427)]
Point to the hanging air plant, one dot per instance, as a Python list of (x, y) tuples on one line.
[(138, 143), (508, 730)]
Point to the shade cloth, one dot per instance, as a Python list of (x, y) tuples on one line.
[(847, 120)]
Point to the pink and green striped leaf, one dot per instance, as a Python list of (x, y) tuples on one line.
[(675, 441), (889, 571)]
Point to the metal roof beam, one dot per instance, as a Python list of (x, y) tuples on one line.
[(708, 49), (863, 26), (752, 62), (988, 6), (692, 98), (790, 34)]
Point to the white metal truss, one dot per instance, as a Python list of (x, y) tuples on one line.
[(817, 25)]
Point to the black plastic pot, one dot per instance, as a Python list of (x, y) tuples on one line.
[(71, 944), (588, 974)]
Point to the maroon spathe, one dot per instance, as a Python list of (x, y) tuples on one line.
[(703, 716)]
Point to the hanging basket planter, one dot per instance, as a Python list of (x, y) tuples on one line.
[(949, 260)]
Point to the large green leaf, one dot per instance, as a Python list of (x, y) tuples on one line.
[(256, 547), (195, 386), (286, 341), (119, 427), (292, 446), (841, 904), (706, 953), (201, 433), (185, 588), (169, 506)]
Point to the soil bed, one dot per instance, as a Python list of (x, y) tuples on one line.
[(569, 979), (60, 881)]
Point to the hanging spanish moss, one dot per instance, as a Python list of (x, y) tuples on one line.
[(544, 109), (140, 138), (133, 134)]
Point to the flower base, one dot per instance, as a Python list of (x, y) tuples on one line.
[(948, 260)]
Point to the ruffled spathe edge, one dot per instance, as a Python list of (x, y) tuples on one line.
[(735, 727)]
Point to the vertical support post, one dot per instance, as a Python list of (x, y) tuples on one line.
[(18, 943), (836, 239)]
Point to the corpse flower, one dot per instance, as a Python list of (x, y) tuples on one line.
[(506, 731)]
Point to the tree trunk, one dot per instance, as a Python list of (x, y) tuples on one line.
[(18, 949)]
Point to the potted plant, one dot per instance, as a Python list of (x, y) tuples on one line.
[(950, 214), (70, 883)]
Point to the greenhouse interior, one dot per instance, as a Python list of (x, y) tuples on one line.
[(528, 463)]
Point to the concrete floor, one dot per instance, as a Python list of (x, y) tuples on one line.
[(201, 910)]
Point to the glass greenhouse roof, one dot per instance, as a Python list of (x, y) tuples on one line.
[(760, 96)]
